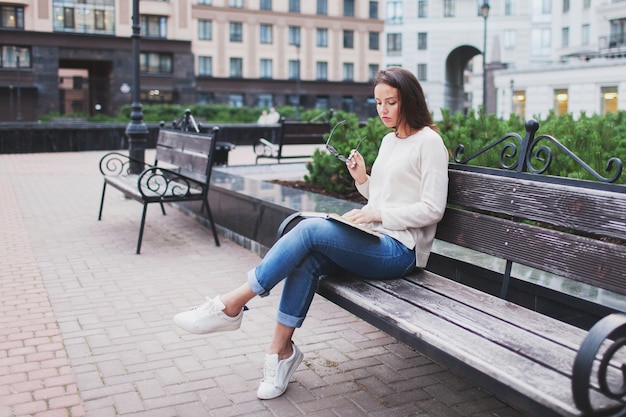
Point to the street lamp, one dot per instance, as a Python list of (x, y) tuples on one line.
[(484, 11), (137, 131)]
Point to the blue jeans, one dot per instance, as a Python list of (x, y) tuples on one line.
[(317, 247)]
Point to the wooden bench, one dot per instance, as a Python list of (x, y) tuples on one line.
[(181, 172), (571, 228), (291, 133)]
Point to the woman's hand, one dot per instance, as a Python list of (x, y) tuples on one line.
[(356, 167), (363, 216)]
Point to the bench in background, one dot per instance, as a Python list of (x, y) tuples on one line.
[(291, 133), (181, 172), (459, 314)]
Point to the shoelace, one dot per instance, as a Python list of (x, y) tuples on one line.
[(269, 372), (209, 305)]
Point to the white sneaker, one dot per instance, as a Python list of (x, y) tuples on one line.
[(208, 317), (276, 374)]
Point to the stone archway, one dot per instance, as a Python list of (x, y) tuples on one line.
[(456, 64)]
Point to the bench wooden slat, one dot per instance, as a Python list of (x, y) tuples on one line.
[(584, 209), (458, 342), (596, 263)]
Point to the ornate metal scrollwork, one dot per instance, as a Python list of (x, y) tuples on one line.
[(163, 182), (115, 163), (527, 156), (605, 339), (509, 151)]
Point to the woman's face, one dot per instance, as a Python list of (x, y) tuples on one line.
[(387, 104)]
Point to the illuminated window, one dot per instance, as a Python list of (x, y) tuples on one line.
[(561, 100), (608, 99), (519, 103), (12, 17)]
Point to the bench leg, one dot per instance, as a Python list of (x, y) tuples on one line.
[(104, 187), (205, 206), (162, 208), (143, 221)]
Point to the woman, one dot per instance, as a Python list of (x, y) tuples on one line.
[(406, 193)]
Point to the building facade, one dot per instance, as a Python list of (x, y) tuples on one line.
[(541, 55), (76, 56)]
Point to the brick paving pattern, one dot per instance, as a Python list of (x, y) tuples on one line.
[(86, 329)]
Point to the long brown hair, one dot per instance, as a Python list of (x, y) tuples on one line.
[(413, 108)]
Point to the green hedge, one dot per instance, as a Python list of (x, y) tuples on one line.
[(594, 139)]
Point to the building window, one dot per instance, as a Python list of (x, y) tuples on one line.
[(155, 62), (322, 7), (394, 12), (348, 71), (99, 20), (374, 41), (266, 4), (266, 33), (294, 35), (509, 39), (422, 41), (236, 31), (394, 44), (266, 68), (372, 71), (236, 67), (294, 69), (348, 8), (449, 8), (608, 102), (519, 103), (205, 30), (10, 55), (294, 6), (422, 9), (81, 17), (321, 102), (154, 26), (205, 98), (565, 6), (322, 38), (206, 2), (265, 100), (348, 39), (12, 17), (236, 4), (205, 66), (541, 42), (235, 100), (561, 100), (373, 10), (321, 70), (508, 8), (422, 72), (347, 104), (585, 35), (68, 18), (565, 37)]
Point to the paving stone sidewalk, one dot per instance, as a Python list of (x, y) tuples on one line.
[(86, 328)]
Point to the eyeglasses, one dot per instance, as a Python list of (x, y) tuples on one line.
[(331, 149)]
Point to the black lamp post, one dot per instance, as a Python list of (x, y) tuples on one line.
[(484, 11), (137, 131)]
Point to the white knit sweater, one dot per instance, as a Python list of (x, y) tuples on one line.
[(409, 184)]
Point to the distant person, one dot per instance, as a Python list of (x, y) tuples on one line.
[(406, 191), (273, 117), (263, 118)]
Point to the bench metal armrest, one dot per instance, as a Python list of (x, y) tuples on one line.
[(605, 344), (161, 182), (116, 163)]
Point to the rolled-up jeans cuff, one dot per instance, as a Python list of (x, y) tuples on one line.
[(289, 321), (256, 288)]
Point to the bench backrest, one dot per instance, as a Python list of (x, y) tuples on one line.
[(190, 154), (302, 133), (565, 229), (569, 227)]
